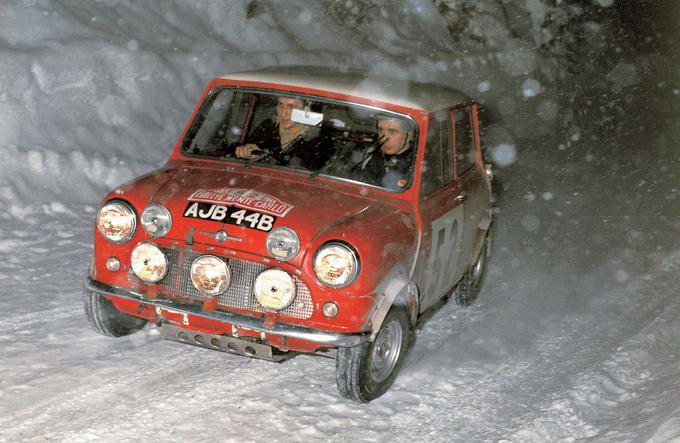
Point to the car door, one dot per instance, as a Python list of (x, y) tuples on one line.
[(442, 210), (471, 180)]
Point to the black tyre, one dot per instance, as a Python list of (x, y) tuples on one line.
[(365, 372), (106, 319), (468, 288)]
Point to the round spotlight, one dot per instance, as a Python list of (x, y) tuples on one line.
[(148, 262), (210, 275), (275, 289)]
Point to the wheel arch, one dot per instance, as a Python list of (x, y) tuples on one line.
[(483, 230), (397, 290)]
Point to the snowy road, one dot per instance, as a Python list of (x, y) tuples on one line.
[(508, 368)]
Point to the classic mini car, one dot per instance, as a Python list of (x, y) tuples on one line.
[(302, 210)]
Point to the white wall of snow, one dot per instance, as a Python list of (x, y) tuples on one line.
[(94, 93)]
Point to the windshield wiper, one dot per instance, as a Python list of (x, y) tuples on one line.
[(261, 155), (264, 153), (369, 150), (326, 166), (368, 153), (321, 169)]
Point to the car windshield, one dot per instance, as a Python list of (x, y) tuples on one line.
[(319, 136)]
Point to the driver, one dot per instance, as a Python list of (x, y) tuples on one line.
[(286, 141)]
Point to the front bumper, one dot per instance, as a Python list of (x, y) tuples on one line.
[(326, 338)]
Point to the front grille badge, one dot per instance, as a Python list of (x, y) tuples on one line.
[(221, 236)]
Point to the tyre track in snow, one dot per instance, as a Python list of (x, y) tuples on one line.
[(79, 389), (82, 390), (30, 320), (100, 390), (135, 385), (609, 397), (169, 390), (491, 401), (44, 277), (143, 386)]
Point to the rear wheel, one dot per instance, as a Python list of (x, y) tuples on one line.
[(468, 288), (365, 372), (106, 319)]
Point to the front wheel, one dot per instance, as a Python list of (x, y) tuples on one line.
[(106, 319), (365, 372)]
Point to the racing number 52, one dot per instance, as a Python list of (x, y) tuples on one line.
[(447, 232)]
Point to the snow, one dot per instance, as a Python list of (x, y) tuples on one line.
[(504, 154), (576, 332), (547, 110), (623, 75), (531, 88), (483, 86), (604, 3)]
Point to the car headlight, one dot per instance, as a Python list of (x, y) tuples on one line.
[(275, 289), (210, 274), (283, 244), (156, 220), (148, 262), (336, 265), (116, 221)]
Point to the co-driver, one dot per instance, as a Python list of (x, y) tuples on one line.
[(390, 166)]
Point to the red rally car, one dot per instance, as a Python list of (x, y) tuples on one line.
[(302, 210)]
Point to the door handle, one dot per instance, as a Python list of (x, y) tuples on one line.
[(460, 198)]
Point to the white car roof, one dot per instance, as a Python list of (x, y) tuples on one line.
[(423, 96)]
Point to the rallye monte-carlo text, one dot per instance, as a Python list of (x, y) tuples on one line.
[(302, 210)]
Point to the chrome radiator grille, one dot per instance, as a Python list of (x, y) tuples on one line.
[(239, 294)]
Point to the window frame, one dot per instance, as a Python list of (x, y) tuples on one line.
[(446, 165), (467, 108), (201, 113)]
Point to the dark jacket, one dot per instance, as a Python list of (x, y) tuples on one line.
[(310, 150), (388, 171)]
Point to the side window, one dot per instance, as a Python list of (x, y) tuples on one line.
[(213, 129), (438, 165), (465, 151), (219, 124), (264, 108)]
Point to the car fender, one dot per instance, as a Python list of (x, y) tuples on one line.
[(483, 230), (396, 289)]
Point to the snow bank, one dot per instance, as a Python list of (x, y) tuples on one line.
[(93, 93)]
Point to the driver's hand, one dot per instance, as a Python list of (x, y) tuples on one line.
[(246, 151)]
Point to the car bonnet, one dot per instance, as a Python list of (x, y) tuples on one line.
[(246, 207)]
